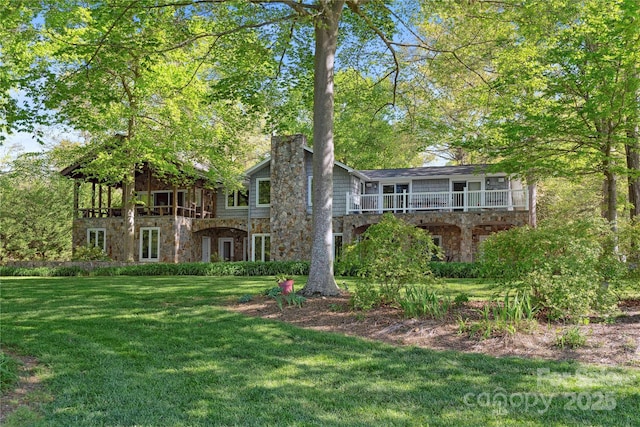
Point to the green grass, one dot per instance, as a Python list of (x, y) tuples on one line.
[(163, 351)]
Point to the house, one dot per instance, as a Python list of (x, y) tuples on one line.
[(271, 218)]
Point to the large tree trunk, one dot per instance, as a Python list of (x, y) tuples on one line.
[(321, 280)]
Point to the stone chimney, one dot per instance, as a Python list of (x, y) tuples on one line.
[(290, 224)]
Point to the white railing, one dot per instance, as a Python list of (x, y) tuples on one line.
[(438, 201)]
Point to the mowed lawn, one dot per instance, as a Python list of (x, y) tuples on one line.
[(164, 351)]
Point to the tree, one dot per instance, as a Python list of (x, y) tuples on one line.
[(237, 34), (367, 19), (16, 33), (36, 211), (113, 71), (555, 83)]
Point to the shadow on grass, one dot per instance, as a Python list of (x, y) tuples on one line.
[(163, 352)]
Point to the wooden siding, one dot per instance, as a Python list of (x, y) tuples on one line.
[(341, 186), (257, 212), (430, 185), (221, 207)]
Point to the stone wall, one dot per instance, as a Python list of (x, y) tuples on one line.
[(176, 237), (460, 231), (289, 222)]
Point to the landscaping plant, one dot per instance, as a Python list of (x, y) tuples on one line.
[(570, 270), (393, 254)]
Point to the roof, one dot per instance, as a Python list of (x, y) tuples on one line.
[(267, 161), (423, 172), (75, 170)]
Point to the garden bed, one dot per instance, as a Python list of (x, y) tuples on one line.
[(613, 343)]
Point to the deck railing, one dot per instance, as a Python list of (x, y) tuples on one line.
[(447, 201), (161, 210)]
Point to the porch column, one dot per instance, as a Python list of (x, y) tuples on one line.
[(93, 200), (109, 202), (76, 198), (100, 200), (175, 201)]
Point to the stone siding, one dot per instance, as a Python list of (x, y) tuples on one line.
[(460, 231), (289, 219), (176, 237)]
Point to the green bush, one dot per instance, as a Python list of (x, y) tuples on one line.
[(393, 253), (365, 297), (244, 268), (568, 269), (89, 253), (456, 270)]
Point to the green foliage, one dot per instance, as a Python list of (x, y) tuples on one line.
[(365, 297), (567, 267), (35, 211), (89, 253), (240, 268), (499, 317), (392, 254), (421, 301), (8, 372), (245, 298), (456, 270), (243, 268), (292, 299), (461, 299), (571, 338)]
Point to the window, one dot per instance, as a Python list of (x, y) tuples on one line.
[(309, 191), (263, 195), (261, 248), (149, 244), (337, 246), (237, 199), (97, 237)]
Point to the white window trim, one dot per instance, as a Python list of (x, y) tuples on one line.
[(140, 248), (221, 242), (235, 200), (258, 181), (253, 245), (104, 237)]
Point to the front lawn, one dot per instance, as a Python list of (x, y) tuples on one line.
[(164, 351)]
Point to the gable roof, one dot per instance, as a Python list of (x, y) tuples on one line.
[(309, 150), (423, 172)]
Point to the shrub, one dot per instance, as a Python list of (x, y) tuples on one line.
[(89, 253), (392, 254), (571, 338), (566, 268), (365, 297)]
